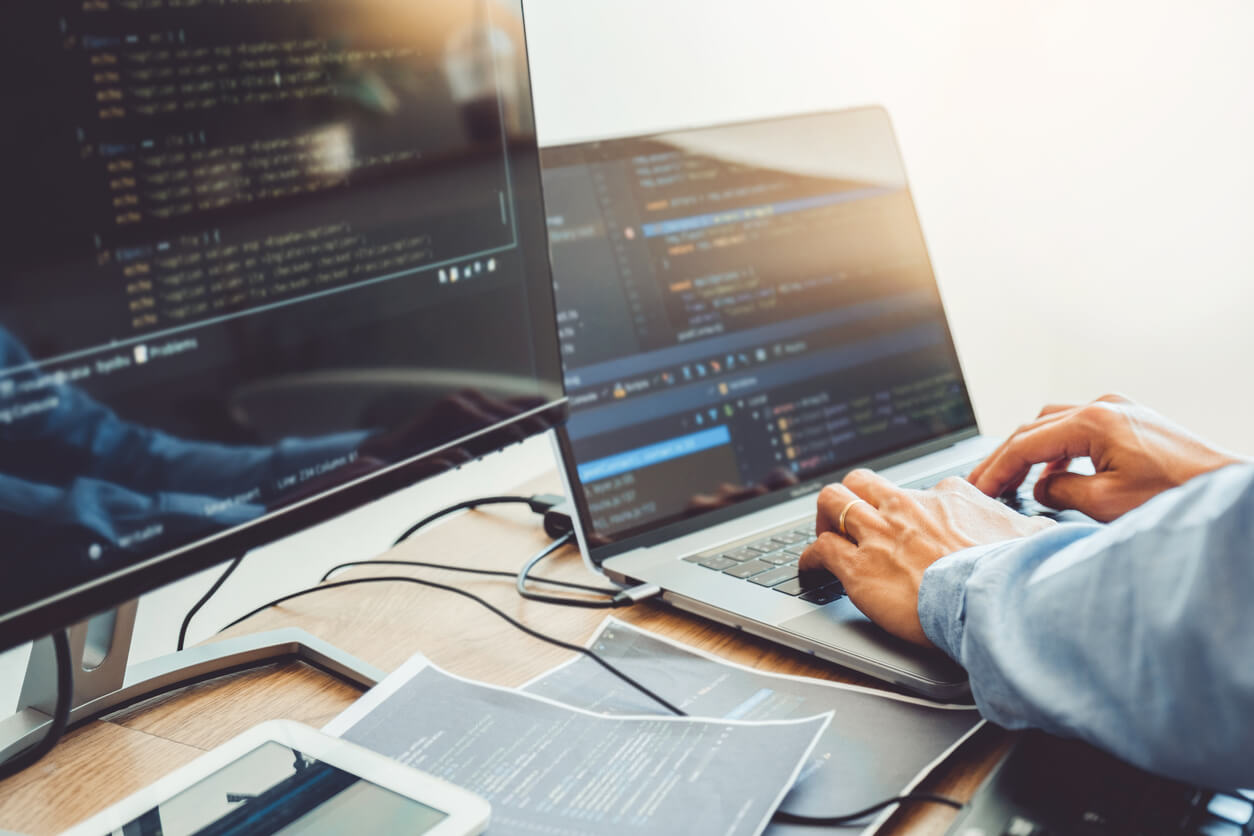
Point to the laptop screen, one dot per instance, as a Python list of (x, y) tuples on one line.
[(742, 310)]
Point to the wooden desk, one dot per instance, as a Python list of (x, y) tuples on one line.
[(385, 624)]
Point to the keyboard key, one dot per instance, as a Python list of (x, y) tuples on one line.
[(792, 587), (936, 478), (826, 595), (783, 573), (779, 558), (741, 555), (1232, 808), (749, 569), (817, 578), (797, 549), (788, 538), (763, 545), (712, 561)]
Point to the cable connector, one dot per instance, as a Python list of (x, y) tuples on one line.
[(636, 594), (558, 521), (541, 502)]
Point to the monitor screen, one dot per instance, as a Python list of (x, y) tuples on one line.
[(262, 261), (743, 310)]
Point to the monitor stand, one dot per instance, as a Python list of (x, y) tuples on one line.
[(104, 681)]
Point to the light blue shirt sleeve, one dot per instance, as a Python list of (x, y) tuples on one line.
[(1137, 636)]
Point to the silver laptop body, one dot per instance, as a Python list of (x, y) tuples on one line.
[(748, 312)]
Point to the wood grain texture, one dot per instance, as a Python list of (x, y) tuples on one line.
[(385, 623), (93, 767), (211, 713)]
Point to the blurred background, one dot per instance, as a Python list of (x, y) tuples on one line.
[(1084, 170)]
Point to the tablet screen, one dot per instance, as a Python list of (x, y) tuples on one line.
[(275, 789)]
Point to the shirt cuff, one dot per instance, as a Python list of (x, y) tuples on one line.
[(943, 598)]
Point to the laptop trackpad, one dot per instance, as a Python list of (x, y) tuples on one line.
[(844, 627)]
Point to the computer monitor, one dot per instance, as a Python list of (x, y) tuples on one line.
[(263, 262)]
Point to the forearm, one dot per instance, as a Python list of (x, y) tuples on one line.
[(1135, 636)]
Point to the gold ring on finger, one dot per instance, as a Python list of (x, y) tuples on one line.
[(840, 525)]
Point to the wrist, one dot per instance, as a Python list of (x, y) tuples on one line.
[(942, 598), (1217, 461)]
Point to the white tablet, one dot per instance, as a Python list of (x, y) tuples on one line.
[(283, 777)]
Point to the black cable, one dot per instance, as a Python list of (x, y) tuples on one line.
[(204, 599), (448, 567), (782, 817), (462, 506), (491, 608), (539, 503), (60, 714)]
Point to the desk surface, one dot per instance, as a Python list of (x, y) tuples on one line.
[(385, 624)]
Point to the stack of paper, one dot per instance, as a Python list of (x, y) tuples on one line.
[(578, 751)]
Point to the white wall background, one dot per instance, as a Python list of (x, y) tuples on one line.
[(1084, 171)]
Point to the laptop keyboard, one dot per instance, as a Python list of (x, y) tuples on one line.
[(771, 560), (1022, 499)]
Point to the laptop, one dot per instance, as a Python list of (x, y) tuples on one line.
[(747, 312)]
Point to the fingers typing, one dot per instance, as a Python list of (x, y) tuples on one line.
[(831, 552), (1067, 438)]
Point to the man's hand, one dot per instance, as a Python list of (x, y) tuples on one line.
[(1136, 453), (890, 539)]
